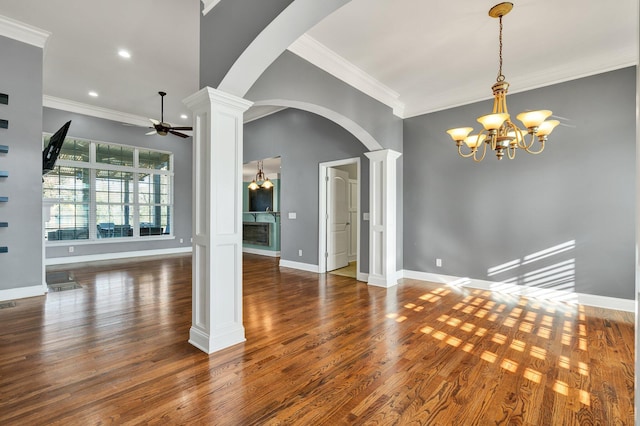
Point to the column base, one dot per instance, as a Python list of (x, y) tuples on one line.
[(380, 281), (224, 339)]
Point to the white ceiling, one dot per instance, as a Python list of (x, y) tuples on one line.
[(415, 55)]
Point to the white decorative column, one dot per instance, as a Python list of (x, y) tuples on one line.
[(382, 217), (217, 219)]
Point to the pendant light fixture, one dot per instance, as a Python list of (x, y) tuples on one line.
[(261, 180), (499, 132)]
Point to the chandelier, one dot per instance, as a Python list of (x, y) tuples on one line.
[(261, 181), (499, 131)]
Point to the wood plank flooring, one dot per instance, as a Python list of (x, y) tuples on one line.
[(320, 349)]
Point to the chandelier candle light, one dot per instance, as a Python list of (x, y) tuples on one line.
[(260, 177), (499, 131)]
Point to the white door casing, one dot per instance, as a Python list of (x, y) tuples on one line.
[(353, 218), (338, 225)]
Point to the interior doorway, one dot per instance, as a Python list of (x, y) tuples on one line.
[(339, 210), (261, 189)]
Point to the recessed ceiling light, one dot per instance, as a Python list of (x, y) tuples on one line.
[(184, 116), (124, 53), (93, 94)]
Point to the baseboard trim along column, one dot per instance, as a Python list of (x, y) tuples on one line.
[(615, 303)]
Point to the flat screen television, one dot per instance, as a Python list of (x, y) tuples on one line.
[(51, 152)]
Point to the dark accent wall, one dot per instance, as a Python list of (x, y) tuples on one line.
[(304, 140), (225, 34), (98, 129), (21, 79), (581, 189)]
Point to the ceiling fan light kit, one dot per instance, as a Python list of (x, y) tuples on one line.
[(161, 128), (499, 131)]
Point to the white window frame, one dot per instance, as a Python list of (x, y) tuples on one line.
[(92, 165)]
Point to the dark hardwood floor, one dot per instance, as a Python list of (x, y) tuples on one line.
[(320, 349)]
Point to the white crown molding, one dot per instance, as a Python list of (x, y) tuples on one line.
[(627, 305), (208, 5), (25, 33), (326, 59), (93, 111), (574, 71)]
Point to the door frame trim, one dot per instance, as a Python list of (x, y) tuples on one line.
[(322, 210)]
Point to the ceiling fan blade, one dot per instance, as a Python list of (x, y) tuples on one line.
[(182, 128), (155, 122), (182, 135), (153, 132)]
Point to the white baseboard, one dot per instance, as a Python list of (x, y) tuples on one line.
[(22, 292), (627, 305), (299, 265), (261, 252), (362, 276), (113, 256)]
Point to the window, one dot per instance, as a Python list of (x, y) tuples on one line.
[(101, 190)]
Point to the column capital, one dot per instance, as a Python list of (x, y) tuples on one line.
[(208, 96), (383, 154)]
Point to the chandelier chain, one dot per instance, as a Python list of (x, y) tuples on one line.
[(500, 75)]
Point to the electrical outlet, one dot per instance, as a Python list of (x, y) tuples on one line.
[(299, 252), (439, 263), (71, 249), (191, 240), (181, 240)]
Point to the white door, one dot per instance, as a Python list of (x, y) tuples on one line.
[(338, 226)]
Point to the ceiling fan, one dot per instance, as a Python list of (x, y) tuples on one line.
[(161, 128)]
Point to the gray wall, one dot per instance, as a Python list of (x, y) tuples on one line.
[(21, 79), (225, 34), (98, 129), (581, 188), (304, 140), (294, 79)]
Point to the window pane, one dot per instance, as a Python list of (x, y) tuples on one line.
[(72, 149), (153, 160), (114, 221), (67, 222), (114, 186), (114, 213), (153, 189), (154, 220), (114, 155), (68, 184)]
